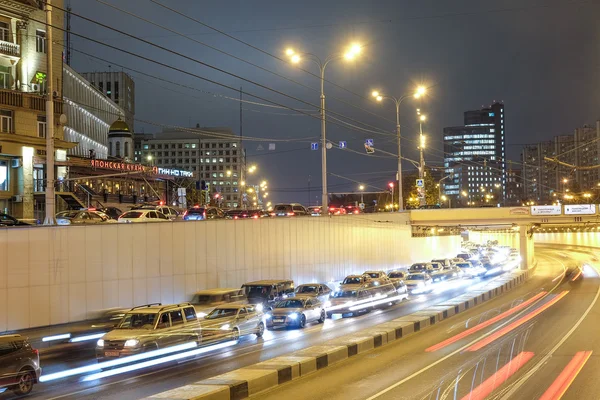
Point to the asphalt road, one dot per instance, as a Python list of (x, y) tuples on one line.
[(145, 382), (538, 343)]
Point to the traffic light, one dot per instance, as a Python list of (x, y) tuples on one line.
[(203, 185)]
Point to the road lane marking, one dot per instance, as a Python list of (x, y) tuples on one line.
[(512, 326), (567, 376), (493, 382), (485, 324)]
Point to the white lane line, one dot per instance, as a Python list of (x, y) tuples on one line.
[(439, 361), (545, 359)]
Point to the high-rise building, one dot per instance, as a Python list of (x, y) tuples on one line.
[(117, 86), (475, 155), (514, 186), (215, 155)]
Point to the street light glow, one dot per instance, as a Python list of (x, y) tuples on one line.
[(295, 59), (421, 90), (361, 187), (290, 52), (379, 98), (464, 193), (422, 141), (422, 117), (375, 93)]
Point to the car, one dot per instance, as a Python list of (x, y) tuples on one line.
[(82, 217), (378, 277), (457, 260), (169, 212), (7, 220), (397, 276), (19, 364), (350, 209), (421, 267), (269, 291), (112, 212), (418, 282), (204, 301), (246, 214), (471, 270), (464, 256), (232, 321), (288, 210), (357, 299), (150, 327), (446, 262), (318, 290), (201, 213), (337, 211), (314, 211), (297, 311), (143, 215), (364, 280)]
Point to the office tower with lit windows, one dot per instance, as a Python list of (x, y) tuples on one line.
[(475, 155), (119, 87)]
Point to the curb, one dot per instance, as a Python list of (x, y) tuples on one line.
[(248, 381)]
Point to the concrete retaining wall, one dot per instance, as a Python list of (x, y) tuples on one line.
[(54, 275), (245, 382)]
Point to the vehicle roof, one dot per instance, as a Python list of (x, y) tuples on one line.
[(418, 273), (372, 271), (311, 284), (233, 306), (355, 275), (11, 338), (155, 308), (267, 282), (217, 291)]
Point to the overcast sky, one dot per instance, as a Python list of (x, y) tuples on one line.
[(541, 58)]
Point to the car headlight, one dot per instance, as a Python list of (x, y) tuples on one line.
[(327, 304), (131, 343), (293, 316), (201, 315), (268, 316), (285, 296), (259, 307), (100, 343), (225, 327), (421, 284)]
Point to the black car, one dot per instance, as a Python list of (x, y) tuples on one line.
[(246, 214), (19, 364), (7, 220), (198, 213)]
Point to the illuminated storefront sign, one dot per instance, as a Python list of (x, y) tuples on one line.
[(126, 167)]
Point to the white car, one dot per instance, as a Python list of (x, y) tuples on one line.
[(418, 283), (143, 216)]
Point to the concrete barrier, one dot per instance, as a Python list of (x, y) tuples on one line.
[(268, 374)]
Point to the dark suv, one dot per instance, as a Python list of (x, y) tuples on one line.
[(288, 210), (19, 364)]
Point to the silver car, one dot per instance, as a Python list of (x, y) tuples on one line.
[(204, 301), (232, 321), (319, 290), (296, 311)]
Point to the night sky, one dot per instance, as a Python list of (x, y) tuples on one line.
[(541, 58)]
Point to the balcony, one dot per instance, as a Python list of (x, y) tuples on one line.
[(11, 50), (30, 100)]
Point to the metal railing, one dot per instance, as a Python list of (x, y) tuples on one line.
[(10, 49), (31, 100)]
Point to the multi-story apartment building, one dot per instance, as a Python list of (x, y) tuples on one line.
[(23, 95), (119, 87), (215, 155)]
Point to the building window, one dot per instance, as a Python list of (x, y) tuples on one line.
[(108, 89), (126, 149), (4, 32), (40, 41), (116, 91), (214, 145), (41, 126), (180, 146), (110, 149), (193, 145), (101, 86), (5, 78), (6, 121), (118, 149), (3, 176)]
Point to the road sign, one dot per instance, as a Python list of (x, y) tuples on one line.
[(420, 183), (369, 149), (329, 146), (361, 206), (420, 193), (314, 146), (343, 145), (369, 142)]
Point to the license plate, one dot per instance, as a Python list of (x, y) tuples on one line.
[(278, 319), (111, 354)]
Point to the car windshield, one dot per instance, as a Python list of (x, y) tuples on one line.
[(132, 214), (67, 214), (463, 265), (352, 280), (258, 290), (196, 211), (222, 313), (306, 289), (290, 304), (283, 208), (418, 266), (373, 274), (202, 299), (345, 293), (396, 275), (138, 321), (416, 277)]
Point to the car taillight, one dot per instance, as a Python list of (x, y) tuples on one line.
[(255, 216), (235, 217), (36, 352), (290, 214), (355, 211), (272, 214), (204, 215)]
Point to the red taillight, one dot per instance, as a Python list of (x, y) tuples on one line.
[(36, 352), (290, 214), (355, 211), (91, 209), (204, 215), (235, 217), (331, 208), (272, 214)]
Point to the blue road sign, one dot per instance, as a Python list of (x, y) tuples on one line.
[(343, 145), (314, 146), (369, 142), (420, 183)]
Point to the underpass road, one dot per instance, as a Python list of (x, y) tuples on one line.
[(403, 370), (145, 382)]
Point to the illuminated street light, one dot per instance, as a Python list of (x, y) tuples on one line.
[(263, 183), (420, 91), (361, 187), (422, 117), (587, 195), (250, 190), (252, 169), (465, 194), (243, 183), (565, 180), (295, 57)]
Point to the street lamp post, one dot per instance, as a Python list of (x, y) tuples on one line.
[(397, 100), (422, 200), (295, 58), (362, 189), (392, 190)]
